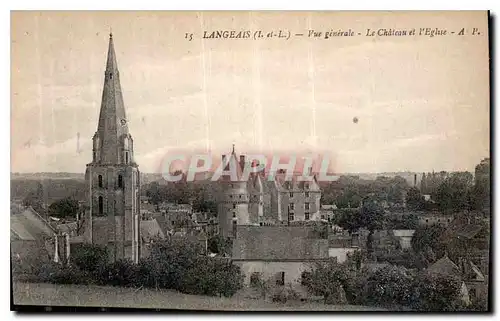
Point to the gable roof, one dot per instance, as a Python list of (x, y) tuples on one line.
[(29, 225), (150, 229), (444, 266), (278, 243)]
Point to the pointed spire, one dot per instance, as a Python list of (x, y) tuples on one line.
[(111, 64), (112, 125), (233, 149)]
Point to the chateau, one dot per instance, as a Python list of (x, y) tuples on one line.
[(259, 202)]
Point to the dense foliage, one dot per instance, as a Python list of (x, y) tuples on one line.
[(64, 208), (175, 265), (391, 286)]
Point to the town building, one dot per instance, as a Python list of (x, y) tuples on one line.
[(277, 253)]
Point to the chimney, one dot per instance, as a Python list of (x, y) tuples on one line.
[(242, 161), (415, 180)]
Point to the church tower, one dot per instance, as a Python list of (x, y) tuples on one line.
[(112, 177)]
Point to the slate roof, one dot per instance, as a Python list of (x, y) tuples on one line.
[(67, 227), (150, 229), (444, 266), (30, 226), (278, 243)]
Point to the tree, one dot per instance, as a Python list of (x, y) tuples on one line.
[(427, 237), (217, 244), (391, 285), (414, 199), (88, 257), (154, 194), (453, 193), (64, 208), (326, 279), (372, 218), (437, 293), (348, 219)]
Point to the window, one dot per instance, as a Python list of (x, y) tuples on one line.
[(93, 156), (307, 216), (291, 217), (306, 186), (322, 216), (254, 278), (120, 181), (280, 280), (99, 179), (234, 215), (306, 206), (291, 194), (111, 76), (234, 228), (126, 157), (240, 195), (234, 206), (292, 206), (307, 194), (427, 221), (101, 204)]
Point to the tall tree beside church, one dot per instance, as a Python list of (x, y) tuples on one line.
[(372, 218)]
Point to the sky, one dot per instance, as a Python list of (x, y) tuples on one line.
[(422, 103)]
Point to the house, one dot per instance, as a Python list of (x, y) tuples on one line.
[(194, 236), (474, 284), (404, 237), (33, 240), (150, 231), (277, 253), (339, 246), (432, 218)]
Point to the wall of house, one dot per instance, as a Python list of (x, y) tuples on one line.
[(428, 220), (270, 270), (341, 253), (405, 242)]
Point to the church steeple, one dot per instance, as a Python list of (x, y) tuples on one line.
[(112, 141), (113, 178)]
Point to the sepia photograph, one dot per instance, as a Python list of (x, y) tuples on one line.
[(250, 161)]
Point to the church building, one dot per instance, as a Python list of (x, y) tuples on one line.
[(112, 177)]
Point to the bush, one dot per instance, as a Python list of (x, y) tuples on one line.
[(89, 257), (212, 276), (285, 294), (326, 278), (389, 286), (437, 293), (62, 274), (120, 273)]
